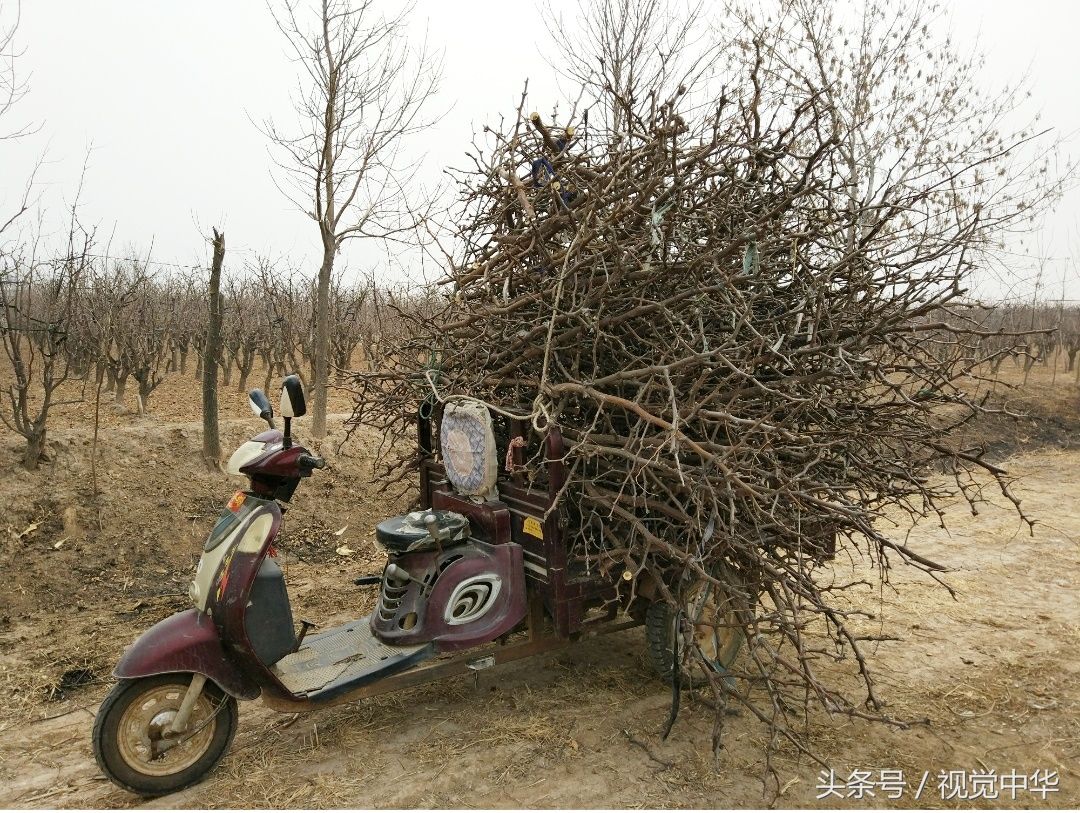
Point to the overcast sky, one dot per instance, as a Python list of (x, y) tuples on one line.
[(164, 93)]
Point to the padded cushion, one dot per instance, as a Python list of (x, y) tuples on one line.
[(467, 442), (410, 532)]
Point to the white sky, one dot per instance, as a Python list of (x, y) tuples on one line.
[(162, 92)]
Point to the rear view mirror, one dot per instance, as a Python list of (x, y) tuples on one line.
[(260, 405), (292, 404)]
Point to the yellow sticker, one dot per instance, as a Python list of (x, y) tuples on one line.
[(532, 527)]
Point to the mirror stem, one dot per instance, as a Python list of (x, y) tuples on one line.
[(286, 441)]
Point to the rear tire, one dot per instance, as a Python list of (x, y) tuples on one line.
[(131, 720), (710, 608)]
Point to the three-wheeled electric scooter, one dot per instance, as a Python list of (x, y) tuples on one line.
[(478, 575)]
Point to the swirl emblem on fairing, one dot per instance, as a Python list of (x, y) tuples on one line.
[(472, 599)]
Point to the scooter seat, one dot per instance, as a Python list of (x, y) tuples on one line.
[(412, 531)]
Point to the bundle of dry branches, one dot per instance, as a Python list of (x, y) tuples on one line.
[(752, 350)]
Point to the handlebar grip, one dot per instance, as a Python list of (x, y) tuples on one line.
[(306, 461)]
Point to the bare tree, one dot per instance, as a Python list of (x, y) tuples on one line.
[(289, 311), (37, 299), (13, 87), (145, 337), (347, 302), (211, 441), (362, 93), (37, 304), (189, 319), (105, 318), (245, 327), (618, 53)]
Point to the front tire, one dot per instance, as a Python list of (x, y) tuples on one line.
[(130, 730)]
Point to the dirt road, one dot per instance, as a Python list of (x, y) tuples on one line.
[(995, 674)]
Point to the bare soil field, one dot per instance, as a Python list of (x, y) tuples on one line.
[(989, 680)]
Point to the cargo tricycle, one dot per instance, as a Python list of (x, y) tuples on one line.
[(478, 575)]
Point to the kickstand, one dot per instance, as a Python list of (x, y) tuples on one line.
[(305, 625)]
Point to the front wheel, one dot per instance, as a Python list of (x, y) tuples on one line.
[(135, 749)]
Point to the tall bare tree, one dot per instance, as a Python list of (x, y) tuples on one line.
[(363, 90), (211, 441)]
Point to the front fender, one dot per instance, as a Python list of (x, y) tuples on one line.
[(185, 642)]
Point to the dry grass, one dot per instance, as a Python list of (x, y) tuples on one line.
[(580, 728)]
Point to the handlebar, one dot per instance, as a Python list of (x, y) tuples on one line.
[(306, 461)]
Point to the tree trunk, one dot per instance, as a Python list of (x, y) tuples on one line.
[(226, 371), (322, 340), (1029, 362), (247, 362), (183, 362), (211, 353), (121, 388), (269, 376), (145, 388), (35, 445)]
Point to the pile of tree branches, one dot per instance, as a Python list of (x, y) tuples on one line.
[(750, 326)]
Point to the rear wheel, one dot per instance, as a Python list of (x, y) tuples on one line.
[(717, 633), (134, 748)]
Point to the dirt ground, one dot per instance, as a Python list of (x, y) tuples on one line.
[(992, 678)]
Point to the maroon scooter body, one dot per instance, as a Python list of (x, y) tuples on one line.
[(229, 603), (192, 641), (185, 642), (416, 611), (470, 591), (281, 462)]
